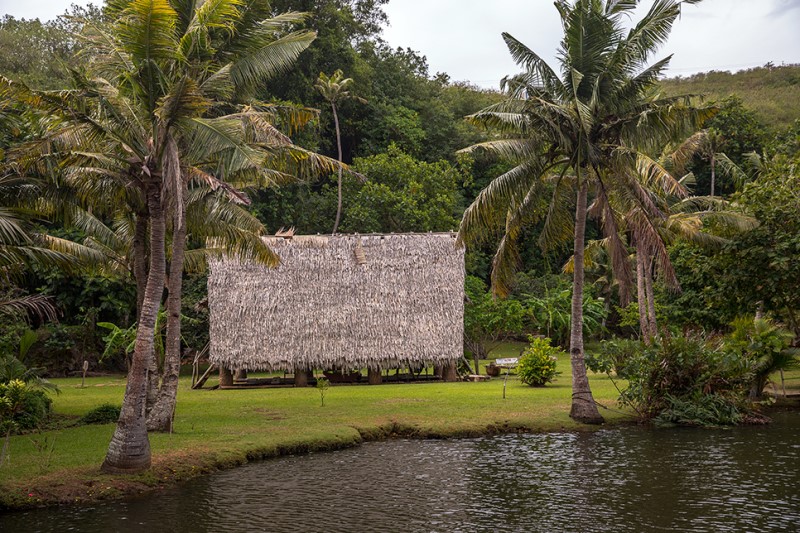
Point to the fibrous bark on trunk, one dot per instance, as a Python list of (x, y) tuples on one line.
[(584, 408), (129, 450)]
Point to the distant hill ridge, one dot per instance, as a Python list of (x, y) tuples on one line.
[(773, 92)]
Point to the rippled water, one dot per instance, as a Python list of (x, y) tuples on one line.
[(628, 479)]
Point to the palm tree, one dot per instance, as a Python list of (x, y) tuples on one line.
[(583, 131), (154, 112), (703, 221), (706, 145), (333, 90)]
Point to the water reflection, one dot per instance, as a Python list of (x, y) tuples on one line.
[(613, 480)]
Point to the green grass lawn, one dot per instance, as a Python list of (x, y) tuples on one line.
[(221, 428)]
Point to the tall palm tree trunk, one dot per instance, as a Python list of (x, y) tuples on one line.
[(160, 418), (129, 450), (140, 259), (140, 274), (339, 146), (641, 294), (139, 250), (713, 173), (152, 383), (651, 300), (584, 408)]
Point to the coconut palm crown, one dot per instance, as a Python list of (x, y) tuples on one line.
[(587, 127)]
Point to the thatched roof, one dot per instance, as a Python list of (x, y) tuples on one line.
[(342, 301)]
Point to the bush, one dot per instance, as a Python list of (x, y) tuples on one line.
[(22, 407), (682, 380), (537, 365), (104, 414), (766, 345), (700, 410), (37, 407)]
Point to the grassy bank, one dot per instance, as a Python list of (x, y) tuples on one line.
[(218, 429)]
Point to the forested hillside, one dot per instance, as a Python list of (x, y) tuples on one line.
[(772, 92)]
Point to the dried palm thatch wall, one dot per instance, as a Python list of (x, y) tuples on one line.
[(340, 302)]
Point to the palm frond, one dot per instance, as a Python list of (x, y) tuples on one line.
[(35, 305), (542, 74), (146, 30), (487, 213), (270, 60)]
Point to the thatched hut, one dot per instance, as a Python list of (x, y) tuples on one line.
[(341, 302)]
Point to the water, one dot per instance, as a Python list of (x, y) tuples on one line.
[(620, 480)]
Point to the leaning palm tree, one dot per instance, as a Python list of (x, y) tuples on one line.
[(157, 108), (333, 89), (582, 131)]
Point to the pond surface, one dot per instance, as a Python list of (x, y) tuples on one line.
[(625, 479)]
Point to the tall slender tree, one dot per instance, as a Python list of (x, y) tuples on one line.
[(333, 89), (707, 144), (577, 134)]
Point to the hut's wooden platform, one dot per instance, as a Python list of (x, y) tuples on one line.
[(283, 382)]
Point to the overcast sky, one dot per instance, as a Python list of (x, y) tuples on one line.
[(462, 37)]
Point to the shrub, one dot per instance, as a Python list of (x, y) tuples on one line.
[(765, 344), (700, 410), (537, 365), (682, 380), (104, 414), (22, 407)]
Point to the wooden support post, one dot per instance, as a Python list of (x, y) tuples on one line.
[(240, 375), (300, 377), (375, 377), (449, 371), (225, 377), (200, 382)]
